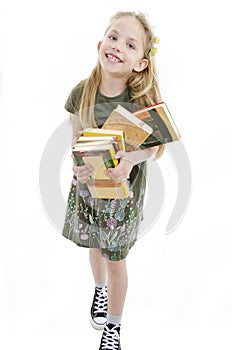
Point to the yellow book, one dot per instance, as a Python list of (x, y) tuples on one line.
[(118, 134)]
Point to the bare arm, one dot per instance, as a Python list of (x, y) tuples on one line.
[(127, 160)]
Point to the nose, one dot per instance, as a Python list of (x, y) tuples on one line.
[(117, 46)]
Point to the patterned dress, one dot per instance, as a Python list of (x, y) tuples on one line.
[(109, 224)]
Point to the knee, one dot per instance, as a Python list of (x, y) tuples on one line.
[(115, 266), (96, 252)]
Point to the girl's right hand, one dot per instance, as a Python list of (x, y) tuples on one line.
[(82, 172)]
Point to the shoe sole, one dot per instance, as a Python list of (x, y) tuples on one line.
[(95, 325)]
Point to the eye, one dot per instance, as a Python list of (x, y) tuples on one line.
[(112, 37), (131, 46)]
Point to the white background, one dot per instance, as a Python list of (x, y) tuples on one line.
[(180, 285)]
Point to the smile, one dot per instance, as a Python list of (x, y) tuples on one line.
[(113, 58)]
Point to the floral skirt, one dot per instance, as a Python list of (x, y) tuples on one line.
[(109, 224)]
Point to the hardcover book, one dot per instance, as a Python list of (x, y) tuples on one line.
[(159, 118), (100, 157), (136, 131)]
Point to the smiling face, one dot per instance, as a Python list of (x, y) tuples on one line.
[(122, 50)]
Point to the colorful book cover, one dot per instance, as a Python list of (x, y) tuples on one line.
[(100, 160), (135, 130), (159, 118)]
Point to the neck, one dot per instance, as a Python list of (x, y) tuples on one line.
[(111, 86)]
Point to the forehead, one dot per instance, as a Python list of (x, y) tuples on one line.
[(129, 27)]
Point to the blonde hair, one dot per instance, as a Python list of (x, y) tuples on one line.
[(144, 88)]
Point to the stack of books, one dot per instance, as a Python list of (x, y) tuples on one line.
[(99, 151), (122, 130)]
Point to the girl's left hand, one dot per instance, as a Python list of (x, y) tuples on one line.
[(121, 172)]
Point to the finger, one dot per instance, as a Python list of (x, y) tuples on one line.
[(84, 170), (84, 179), (81, 173), (119, 154), (106, 172), (85, 174), (75, 170), (121, 179)]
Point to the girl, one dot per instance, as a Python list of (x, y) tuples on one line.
[(124, 74)]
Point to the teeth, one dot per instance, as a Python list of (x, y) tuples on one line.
[(112, 58)]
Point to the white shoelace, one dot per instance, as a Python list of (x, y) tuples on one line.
[(100, 304), (110, 339)]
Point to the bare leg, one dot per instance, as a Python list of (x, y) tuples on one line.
[(117, 286), (97, 263)]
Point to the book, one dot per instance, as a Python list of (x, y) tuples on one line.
[(100, 154), (135, 130), (108, 189), (159, 118), (84, 141), (100, 157), (96, 132), (153, 124), (96, 138)]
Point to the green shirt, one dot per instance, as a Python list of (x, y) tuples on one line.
[(104, 105)]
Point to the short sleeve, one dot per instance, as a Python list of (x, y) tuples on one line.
[(72, 104)]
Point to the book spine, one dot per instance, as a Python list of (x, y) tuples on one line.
[(78, 159), (112, 154), (109, 162)]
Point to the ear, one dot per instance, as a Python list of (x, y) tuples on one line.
[(99, 45), (142, 64)]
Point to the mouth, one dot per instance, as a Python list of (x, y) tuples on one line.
[(113, 58)]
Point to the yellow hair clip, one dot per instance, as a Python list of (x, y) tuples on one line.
[(156, 40), (154, 50)]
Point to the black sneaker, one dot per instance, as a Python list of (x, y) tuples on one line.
[(98, 314), (110, 338)]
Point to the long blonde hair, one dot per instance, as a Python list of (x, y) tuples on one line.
[(144, 87)]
